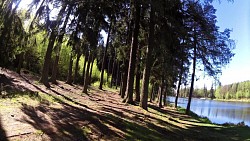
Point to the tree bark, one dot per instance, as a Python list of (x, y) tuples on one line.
[(179, 86), (185, 91), (45, 72), (77, 68), (152, 93), (121, 79), (91, 69), (86, 80), (165, 95), (20, 62), (55, 70), (117, 75), (147, 69), (132, 60), (108, 70), (160, 91), (84, 66), (156, 92), (124, 79), (113, 75), (69, 77), (58, 48), (137, 83), (105, 56), (192, 80)]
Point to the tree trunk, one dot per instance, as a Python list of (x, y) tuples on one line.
[(45, 72), (69, 77), (121, 79), (105, 56), (117, 75), (124, 84), (185, 91), (147, 69), (124, 79), (91, 69), (132, 60), (160, 91), (137, 84), (156, 91), (84, 66), (54, 70), (108, 70), (179, 85), (76, 76), (124, 71), (138, 77), (152, 93), (86, 80), (165, 95), (58, 48), (113, 75), (20, 62), (162, 85), (192, 80)]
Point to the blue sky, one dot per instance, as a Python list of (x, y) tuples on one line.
[(236, 16)]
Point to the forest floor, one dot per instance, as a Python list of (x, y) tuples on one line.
[(31, 112)]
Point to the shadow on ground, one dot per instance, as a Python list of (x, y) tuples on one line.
[(12, 86), (67, 122), (3, 136), (109, 119)]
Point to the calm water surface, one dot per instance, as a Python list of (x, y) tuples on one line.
[(218, 111)]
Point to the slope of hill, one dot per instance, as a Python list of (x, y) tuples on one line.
[(30, 111)]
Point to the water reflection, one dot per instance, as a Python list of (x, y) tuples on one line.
[(217, 111)]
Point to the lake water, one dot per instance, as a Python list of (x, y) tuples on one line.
[(218, 111)]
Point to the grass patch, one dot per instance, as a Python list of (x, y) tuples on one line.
[(42, 97), (86, 130), (37, 83), (241, 133), (17, 99), (31, 98), (135, 132), (39, 132), (195, 116)]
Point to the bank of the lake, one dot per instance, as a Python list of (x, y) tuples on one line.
[(233, 100), (218, 112)]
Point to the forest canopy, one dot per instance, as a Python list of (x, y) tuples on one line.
[(150, 44)]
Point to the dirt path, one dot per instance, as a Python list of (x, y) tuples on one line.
[(98, 115), (58, 121)]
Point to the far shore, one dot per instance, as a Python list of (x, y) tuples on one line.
[(224, 100)]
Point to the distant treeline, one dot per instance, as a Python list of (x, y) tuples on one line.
[(198, 92), (239, 90)]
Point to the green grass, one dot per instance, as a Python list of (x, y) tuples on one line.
[(39, 132), (86, 130), (194, 115), (135, 131), (31, 98)]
